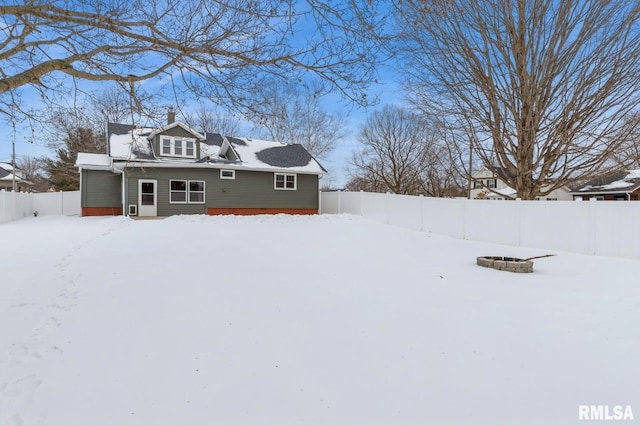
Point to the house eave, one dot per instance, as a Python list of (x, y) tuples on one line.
[(209, 165)]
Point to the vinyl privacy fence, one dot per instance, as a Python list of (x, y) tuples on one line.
[(607, 228), (18, 205)]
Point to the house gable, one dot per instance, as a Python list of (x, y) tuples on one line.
[(176, 142)]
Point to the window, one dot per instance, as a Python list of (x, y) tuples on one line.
[(177, 191), (196, 191), (285, 181), (183, 191), (227, 174), (166, 146), (477, 184), (492, 183), (179, 147), (552, 199)]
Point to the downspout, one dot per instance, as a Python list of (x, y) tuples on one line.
[(124, 198)]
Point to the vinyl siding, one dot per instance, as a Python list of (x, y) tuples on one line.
[(250, 189), (255, 189), (163, 176), (100, 189)]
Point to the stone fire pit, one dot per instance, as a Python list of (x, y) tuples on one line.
[(511, 264)]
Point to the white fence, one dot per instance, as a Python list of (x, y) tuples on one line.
[(17, 205), (607, 228)]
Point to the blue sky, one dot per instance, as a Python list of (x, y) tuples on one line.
[(387, 91)]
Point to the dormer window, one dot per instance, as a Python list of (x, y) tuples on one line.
[(178, 147)]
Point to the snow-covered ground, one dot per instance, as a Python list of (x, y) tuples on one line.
[(325, 320)]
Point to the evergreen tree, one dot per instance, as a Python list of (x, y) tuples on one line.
[(62, 173)]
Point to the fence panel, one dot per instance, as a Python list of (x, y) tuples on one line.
[(608, 228), (443, 216), (492, 221), (14, 205), (18, 205), (57, 203)]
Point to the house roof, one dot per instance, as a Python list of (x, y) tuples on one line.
[(176, 124), (619, 182), (6, 173), (133, 144), (495, 171), (97, 160)]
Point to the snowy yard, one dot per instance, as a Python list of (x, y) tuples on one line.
[(326, 320)]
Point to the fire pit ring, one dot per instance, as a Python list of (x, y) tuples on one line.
[(502, 263)]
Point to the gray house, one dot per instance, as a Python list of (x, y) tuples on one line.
[(177, 170)]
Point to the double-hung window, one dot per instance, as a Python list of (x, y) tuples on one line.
[(284, 181), (186, 191), (196, 191)]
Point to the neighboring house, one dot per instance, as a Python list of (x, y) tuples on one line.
[(622, 185), (7, 177), (489, 185), (177, 170)]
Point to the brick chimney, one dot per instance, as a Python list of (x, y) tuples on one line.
[(171, 116)]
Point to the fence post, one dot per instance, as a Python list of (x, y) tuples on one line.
[(464, 218), (3, 204), (320, 202), (386, 206), (421, 200), (339, 202), (361, 203), (518, 221), (592, 232), (61, 203)]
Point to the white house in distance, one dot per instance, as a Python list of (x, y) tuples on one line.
[(8, 176), (488, 185)]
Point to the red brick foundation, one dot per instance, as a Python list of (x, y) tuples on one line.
[(101, 211), (254, 211)]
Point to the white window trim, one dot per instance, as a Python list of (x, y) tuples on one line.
[(295, 181), (186, 191), (172, 147), (233, 174), (204, 192)]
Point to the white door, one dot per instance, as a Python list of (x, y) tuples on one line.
[(147, 197)]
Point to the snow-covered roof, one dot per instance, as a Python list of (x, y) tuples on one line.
[(618, 182), (99, 160), (7, 172), (261, 154), (132, 144), (506, 191), (129, 143)]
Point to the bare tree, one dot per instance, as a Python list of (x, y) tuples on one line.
[(293, 114), (221, 50), (540, 87), (33, 170), (402, 154), (210, 121)]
